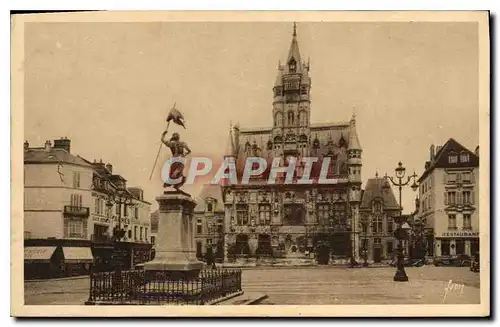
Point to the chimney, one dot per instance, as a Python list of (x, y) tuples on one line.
[(48, 145), (63, 143), (109, 167), (476, 152), (433, 152), (26, 145)]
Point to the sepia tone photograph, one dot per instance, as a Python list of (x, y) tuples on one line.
[(251, 163)]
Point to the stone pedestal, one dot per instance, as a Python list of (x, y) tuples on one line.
[(175, 249)]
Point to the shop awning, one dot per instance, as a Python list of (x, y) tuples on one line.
[(77, 255), (38, 253)]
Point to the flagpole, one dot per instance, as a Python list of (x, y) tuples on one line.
[(159, 149)]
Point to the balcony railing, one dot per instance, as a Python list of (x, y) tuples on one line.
[(76, 211)]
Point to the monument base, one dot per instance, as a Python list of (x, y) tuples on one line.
[(174, 269)]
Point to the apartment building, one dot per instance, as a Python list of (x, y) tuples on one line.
[(448, 193), (71, 213)]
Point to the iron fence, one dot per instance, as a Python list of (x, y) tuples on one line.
[(148, 287)]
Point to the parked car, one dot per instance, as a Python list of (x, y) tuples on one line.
[(409, 262), (453, 261)]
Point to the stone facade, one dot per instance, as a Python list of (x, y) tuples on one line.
[(288, 219), (209, 218), (378, 220), (449, 200)]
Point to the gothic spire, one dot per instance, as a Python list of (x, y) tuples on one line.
[(353, 135), (230, 148), (294, 62)]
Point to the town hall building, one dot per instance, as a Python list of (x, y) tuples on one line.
[(290, 220)]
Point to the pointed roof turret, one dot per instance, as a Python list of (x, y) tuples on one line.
[(279, 76), (293, 58), (230, 147), (353, 135)]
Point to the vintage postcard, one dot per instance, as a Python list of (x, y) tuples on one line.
[(251, 164)]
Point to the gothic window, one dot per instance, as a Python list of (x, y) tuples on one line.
[(291, 118), (242, 214), (264, 214), (278, 119), (303, 90), (277, 139), (303, 118), (278, 92), (303, 138), (390, 225), (323, 213), (342, 141), (377, 207), (292, 65), (377, 224)]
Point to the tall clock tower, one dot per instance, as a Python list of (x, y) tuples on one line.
[(291, 105)]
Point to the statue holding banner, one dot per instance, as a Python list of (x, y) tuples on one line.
[(179, 149)]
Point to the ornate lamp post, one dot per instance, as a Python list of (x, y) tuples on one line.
[(368, 225), (121, 197), (400, 232)]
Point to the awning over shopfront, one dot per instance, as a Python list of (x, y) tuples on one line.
[(41, 254), (77, 255)]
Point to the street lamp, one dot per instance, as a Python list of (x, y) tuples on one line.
[(121, 197), (367, 224), (403, 228)]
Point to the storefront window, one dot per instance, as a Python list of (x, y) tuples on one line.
[(460, 247)]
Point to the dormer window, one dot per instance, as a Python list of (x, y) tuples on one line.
[(452, 159), (377, 207), (209, 207), (292, 65), (464, 157)]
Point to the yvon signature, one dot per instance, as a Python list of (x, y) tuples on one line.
[(452, 287)]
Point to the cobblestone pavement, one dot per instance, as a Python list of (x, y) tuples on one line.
[(314, 285), (327, 285)]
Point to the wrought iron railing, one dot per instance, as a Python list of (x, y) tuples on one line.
[(76, 211), (145, 287)]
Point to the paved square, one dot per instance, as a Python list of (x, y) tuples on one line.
[(314, 285)]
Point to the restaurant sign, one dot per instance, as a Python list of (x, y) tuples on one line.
[(103, 220), (460, 234)]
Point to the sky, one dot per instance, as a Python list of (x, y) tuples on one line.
[(109, 86)]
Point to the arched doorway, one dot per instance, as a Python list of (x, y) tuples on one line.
[(322, 248), (264, 248), (241, 247)]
